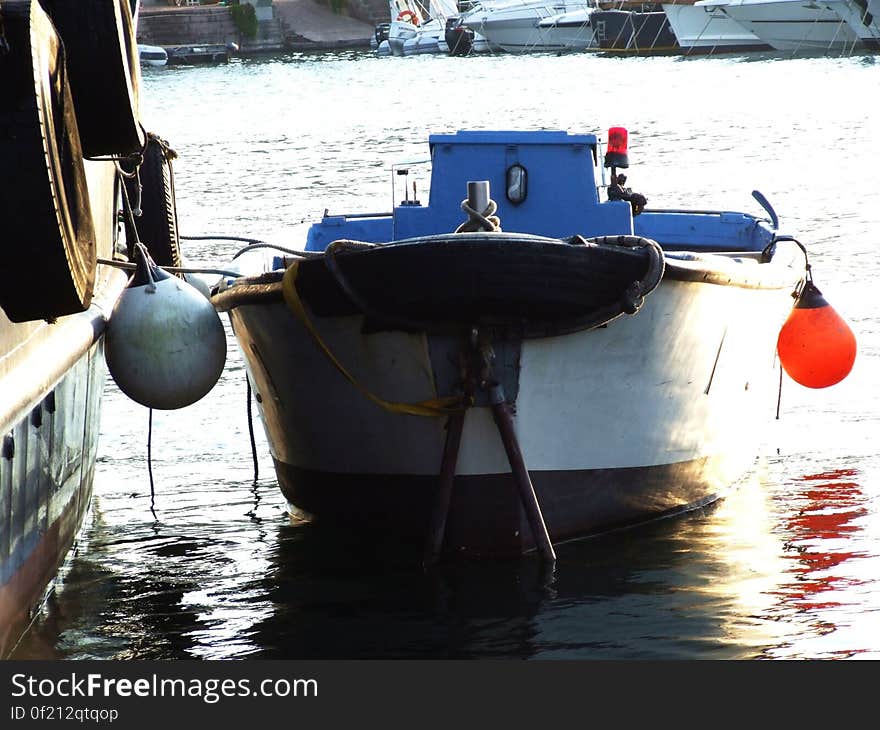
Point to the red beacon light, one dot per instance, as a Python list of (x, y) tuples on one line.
[(616, 153)]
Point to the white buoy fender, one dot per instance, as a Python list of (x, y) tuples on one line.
[(165, 344)]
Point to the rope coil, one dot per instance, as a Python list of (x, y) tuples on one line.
[(634, 295), (477, 221)]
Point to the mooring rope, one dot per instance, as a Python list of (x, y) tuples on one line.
[(150, 462), (779, 394), (431, 408), (130, 266), (220, 238), (250, 421), (635, 294), (480, 221), (282, 249)]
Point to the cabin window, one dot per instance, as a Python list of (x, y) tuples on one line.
[(517, 183)]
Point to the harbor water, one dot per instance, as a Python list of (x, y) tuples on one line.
[(786, 567)]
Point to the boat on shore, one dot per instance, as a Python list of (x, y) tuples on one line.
[(596, 365), (61, 211)]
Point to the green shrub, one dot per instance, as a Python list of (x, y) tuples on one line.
[(245, 19)]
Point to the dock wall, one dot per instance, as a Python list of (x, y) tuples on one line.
[(369, 11), (285, 25), (186, 25)]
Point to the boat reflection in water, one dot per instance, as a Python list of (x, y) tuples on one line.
[(827, 564), (750, 577), (706, 585)]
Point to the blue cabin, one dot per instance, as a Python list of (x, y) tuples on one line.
[(544, 182)]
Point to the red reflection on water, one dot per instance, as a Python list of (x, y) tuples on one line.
[(820, 531)]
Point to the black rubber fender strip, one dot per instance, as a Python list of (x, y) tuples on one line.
[(48, 251), (102, 55)]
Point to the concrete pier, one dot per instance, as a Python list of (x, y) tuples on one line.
[(316, 26)]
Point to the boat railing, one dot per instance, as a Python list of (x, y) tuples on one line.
[(692, 211), (327, 214)]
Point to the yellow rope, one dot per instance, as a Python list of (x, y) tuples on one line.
[(435, 407)]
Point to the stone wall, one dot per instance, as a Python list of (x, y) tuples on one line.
[(370, 11), (177, 27), (165, 26)]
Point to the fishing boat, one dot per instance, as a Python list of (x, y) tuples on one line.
[(547, 360), (69, 104)]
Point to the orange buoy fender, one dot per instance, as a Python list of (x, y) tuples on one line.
[(49, 261), (816, 346)]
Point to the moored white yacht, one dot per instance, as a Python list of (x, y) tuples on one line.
[(862, 18), (790, 25), (569, 31), (514, 26), (708, 29)]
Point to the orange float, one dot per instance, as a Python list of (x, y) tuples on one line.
[(816, 347)]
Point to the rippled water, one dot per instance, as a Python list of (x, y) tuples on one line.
[(787, 567)]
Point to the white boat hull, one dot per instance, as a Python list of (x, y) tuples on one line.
[(514, 30), (426, 41), (709, 29), (152, 55), (568, 32), (405, 39), (654, 414), (399, 33), (794, 26), (862, 19)]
